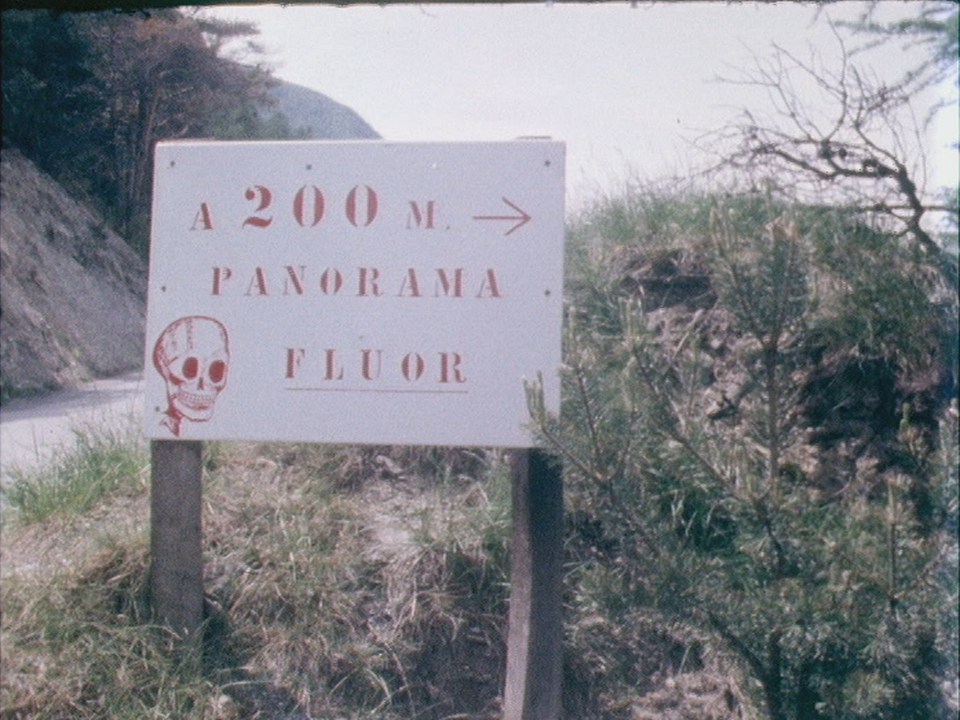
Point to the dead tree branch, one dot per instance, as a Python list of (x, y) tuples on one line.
[(838, 136)]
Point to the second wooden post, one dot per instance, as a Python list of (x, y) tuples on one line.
[(535, 636)]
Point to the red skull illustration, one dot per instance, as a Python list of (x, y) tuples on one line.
[(193, 356)]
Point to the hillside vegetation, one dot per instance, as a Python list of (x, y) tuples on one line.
[(762, 513), (86, 96), (760, 435), (759, 442)]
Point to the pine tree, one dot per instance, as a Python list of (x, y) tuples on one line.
[(826, 588)]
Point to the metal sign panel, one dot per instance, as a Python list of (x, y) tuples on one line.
[(358, 292)]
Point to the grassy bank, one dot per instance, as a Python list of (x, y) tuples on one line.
[(329, 589), (760, 513), (106, 459), (341, 582)]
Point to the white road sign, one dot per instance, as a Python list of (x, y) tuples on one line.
[(354, 292)]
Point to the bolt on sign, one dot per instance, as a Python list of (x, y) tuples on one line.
[(354, 292)]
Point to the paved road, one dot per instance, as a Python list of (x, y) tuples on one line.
[(31, 429)]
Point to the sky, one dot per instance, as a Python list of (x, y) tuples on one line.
[(628, 86)]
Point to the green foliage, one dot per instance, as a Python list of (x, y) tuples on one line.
[(93, 655), (332, 590), (823, 582), (657, 216), (762, 277), (104, 460), (881, 298), (48, 88), (87, 95)]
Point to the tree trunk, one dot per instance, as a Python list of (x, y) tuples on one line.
[(773, 418), (773, 679)]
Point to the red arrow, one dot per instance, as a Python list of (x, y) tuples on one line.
[(523, 218)]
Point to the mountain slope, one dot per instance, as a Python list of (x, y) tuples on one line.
[(72, 305), (320, 116)]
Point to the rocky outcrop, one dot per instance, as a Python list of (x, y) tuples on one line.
[(72, 292)]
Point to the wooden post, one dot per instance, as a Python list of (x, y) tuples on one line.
[(535, 636), (176, 569)]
